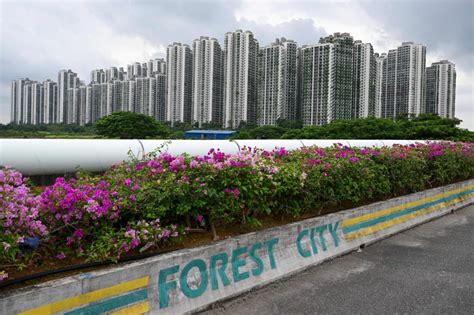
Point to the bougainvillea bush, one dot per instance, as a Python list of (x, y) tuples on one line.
[(146, 204)]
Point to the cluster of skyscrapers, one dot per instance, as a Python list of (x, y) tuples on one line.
[(337, 78)]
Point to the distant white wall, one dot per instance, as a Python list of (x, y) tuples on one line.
[(59, 156)]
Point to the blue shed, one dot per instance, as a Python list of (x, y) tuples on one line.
[(209, 134)]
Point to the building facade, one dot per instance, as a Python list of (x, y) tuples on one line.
[(441, 88), (405, 81), (277, 82), (17, 100), (208, 85), (380, 61), (66, 80), (364, 80), (342, 107), (240, 78), (179, 83), (317, 84)]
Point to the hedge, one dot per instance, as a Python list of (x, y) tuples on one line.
[(146, 204)]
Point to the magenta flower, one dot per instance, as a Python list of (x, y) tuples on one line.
[(79, 233), (314, 161), (128, 182), (69, 241), (132, 197), (134, 243), (236, 193), (354, 159), (200, 218), (61, 255)]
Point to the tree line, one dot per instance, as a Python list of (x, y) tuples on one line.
[(129, 125)]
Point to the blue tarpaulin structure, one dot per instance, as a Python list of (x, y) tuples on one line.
[(209, 134)]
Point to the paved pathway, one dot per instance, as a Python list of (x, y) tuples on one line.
[(428, 269)]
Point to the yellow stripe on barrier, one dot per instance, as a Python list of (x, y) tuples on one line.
[(384, 212), (86, 298), (135, 309), (387, 224)]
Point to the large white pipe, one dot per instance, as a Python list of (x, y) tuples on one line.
[(60, 156)]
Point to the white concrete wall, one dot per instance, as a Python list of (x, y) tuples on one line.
[(60, 156)]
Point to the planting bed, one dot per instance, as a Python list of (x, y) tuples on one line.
[(168, 202)]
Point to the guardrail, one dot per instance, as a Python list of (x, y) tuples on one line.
[(61, 156)]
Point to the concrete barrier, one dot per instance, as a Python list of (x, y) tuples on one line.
[(189, 280)]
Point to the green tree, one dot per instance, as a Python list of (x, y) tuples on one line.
[(128, 125), (289, 124), (267, 132)]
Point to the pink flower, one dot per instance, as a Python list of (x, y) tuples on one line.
[(134, 243), (132, 197), (69, 241), (128, 182), (314, 161), (79, 233), (236, 193), (61, 255), (200, 218)]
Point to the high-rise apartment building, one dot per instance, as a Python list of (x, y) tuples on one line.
[(37, 104), (27, 103), (50, 95), (98, 76), (156, 66), (66, 80), (143, 88), (159, 97), (179, 60), (75, 102), (342, 107), (441, 88), (277, 82), (208, 85), (82, 103), (17, 108), (380, 61), (364, 80), (405, 81), (240, 78), (317, 83), (134, 70)]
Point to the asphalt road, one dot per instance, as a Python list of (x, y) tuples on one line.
[(426, 270)]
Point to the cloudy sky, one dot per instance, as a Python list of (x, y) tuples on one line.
[(38, 38)]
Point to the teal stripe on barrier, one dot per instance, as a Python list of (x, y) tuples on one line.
[(111, 304), (394, 215)]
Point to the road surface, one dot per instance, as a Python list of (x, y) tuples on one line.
[(428, 269)]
